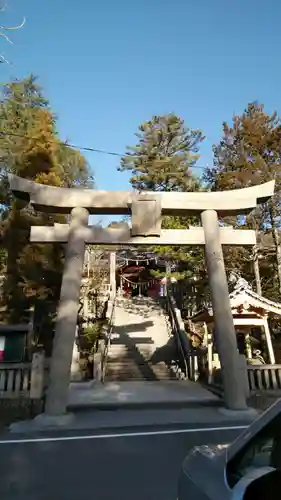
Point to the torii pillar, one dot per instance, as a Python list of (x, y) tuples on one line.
[(112, 273), (225, 331), (146, 210), (67, 314)]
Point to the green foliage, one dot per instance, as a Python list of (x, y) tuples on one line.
[(73, 168), (162, 160), (89, 339), (248, 154), (186, 262), (30, 148), (164, 155)]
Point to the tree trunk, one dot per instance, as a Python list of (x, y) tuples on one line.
[(277, 245), (257, 271), (278, 254), (255, 222)]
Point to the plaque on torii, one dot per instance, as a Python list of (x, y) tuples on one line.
[(146, 210)]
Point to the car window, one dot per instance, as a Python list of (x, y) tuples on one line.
[(264, 450), (258, 455)]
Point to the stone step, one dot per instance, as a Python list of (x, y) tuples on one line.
[(123, 376), (118, 348), (144, 366), (139, 348), (118, 371), (127, 378), (115, 347), (139, 335), (137, 375), (141, 361)]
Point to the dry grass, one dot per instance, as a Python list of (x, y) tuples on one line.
[(13, 410)]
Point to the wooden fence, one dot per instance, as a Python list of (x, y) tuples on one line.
[(260, 378), (264, 377), (23, 380)]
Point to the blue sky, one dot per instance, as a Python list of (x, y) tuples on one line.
[(107, 66)]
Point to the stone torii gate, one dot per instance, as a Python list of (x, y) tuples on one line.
[(146, 210)]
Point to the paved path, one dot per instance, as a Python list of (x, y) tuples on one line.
[(141, 348), (164, 392), (109, 468)]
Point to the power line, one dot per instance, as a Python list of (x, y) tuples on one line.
[(84, 148)]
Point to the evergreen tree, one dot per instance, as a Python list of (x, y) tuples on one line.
[(164, 155), (248, 154), (162, 160), (30, 148)]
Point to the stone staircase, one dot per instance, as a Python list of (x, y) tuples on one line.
[(141, 346)]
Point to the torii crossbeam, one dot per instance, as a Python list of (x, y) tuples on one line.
[(146, 210)]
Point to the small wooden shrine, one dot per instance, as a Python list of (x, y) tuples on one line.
[(252, 314)]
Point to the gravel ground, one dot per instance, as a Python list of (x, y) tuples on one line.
[(262, 401)]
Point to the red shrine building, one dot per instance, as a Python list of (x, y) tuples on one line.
[(137, 274)]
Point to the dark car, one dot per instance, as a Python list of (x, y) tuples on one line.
[(247, 469)]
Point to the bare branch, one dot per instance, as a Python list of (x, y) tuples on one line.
[(6, 38), (4, 7), (3, 60), (8, 28), (13, 28)]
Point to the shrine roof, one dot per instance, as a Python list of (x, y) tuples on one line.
[(241, 295)]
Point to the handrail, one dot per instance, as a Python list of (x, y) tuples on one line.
[(110, 314), (176, 320)]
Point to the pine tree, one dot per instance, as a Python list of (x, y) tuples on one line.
[(250, 154), (164, 156), (162, 160)]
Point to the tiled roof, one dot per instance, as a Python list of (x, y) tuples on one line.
[(243, 293), (258, 300)]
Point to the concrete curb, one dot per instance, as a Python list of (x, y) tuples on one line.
[(247, 414), (168, 405), (29, 428), (130, 421)]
